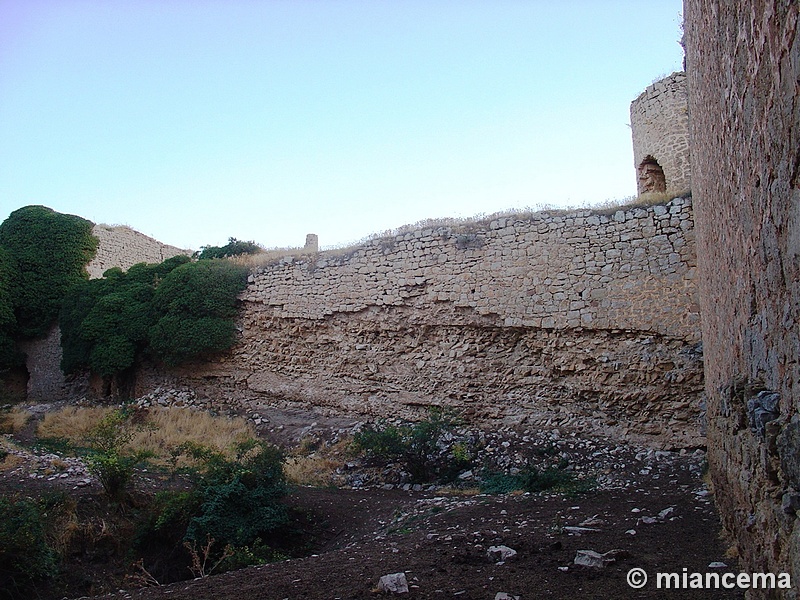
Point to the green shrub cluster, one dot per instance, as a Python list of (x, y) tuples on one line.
[(234, 507), (107, 459), (426, 449), (196, 306), (234, 247), (42, 255), (26, 559), (531, 479), (174, 311)]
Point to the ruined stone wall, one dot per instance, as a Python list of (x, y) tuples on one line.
[(660, 130), (119, 246), (578, 319), (743, 60), (123, 247)]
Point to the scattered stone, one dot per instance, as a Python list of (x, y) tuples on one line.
[(394, 583), (580, 530), (595, 560), (505, 596), (667, 512), (717, 565), (501, 553)]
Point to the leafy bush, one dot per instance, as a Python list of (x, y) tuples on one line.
[(534, 480), (48, 254), (174, 311), (240, 497), (108, 460), (426, 448), (105, 323), (9, 356), (232, 517), (196, 304), (234, 247), (25, 556)]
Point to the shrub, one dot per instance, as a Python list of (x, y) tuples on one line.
[(234, 247), (25, 556), (534, 480), (240, 497), (422, 447), (196, 304), (49, 253), (105, 323), (108, 460), (233, 515)]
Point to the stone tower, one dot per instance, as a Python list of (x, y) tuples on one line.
[(660, 129)]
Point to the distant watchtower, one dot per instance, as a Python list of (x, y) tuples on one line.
[(660, 129)]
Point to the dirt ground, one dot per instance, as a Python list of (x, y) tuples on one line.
[(649, 510)]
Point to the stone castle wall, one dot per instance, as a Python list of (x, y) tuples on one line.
[(123, 247), (744, 99), (660, 130), (119, 246), (580, 319)]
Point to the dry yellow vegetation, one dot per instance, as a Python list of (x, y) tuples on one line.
[(13, 420), (157, 431)]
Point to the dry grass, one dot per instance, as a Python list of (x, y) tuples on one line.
[(11, 462), (156, 431), (13, 420), (168, 428), (269, 256), (315, 464), (313, 470), (71, 423), (649, 199)]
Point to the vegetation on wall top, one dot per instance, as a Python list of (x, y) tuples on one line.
[(234, 247)]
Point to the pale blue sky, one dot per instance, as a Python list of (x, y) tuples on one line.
[(196, 120)]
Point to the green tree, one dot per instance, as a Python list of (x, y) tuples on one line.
[(50, 251), (174, 311), (105, 323), (196, 304), (9, 356), (234, 247)]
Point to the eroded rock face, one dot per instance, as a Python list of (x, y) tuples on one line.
[(743, 63), (580, 320)]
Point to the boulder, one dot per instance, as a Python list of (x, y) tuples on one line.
[(394, 583)]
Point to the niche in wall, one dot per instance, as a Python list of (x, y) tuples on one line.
[(651, 176)]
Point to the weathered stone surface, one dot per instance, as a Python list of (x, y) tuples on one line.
[(599, 335), (660, 131), (123, 247), (394, 583), (743, 63), (501, 553)]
